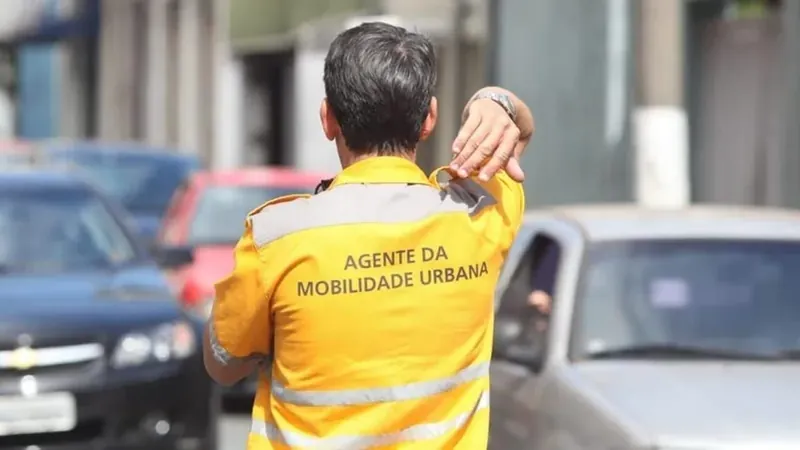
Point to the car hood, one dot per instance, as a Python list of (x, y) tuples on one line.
[(700, 405), (85, 300)]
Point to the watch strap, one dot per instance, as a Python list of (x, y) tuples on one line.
[(501, 99)]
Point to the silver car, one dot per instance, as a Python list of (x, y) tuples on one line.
[(665, 330)]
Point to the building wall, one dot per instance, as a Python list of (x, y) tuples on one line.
[(742, 97), (48, 39), (39, 86), (230, 148), (571, 61), (38, 91), (312, 151), (161, 75)]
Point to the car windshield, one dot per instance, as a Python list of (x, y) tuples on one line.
[(652, 298), (142, 183), (222, 209), (49, 230)]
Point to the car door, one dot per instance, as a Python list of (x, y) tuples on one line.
[(173, 229), (522, 336)]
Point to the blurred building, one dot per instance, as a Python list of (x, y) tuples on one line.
[(280, 46), (658, 101), (114, 69), (160, 72), (46, 67)]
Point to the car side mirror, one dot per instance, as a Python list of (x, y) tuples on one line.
[(173, 257), (512, 344)]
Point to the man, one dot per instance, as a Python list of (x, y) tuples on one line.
[(543, 280), (369, 305)]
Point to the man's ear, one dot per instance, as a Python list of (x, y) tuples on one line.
[(329, 124), (430, 120)]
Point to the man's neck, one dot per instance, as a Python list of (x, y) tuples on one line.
[(349, 158)]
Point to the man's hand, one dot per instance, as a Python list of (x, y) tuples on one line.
[(541, 301), (487, 141)]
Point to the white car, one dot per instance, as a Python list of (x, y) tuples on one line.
[(669, 329)]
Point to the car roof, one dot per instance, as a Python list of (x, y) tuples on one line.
[(112, 148), (26, 177), (629, 221), (260, 176)]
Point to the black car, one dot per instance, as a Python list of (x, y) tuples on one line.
[(95, 352)]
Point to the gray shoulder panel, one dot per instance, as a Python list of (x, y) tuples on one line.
[(367, 203), (278, 220), (471, 194)]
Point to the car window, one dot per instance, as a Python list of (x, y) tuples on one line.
[(59, 231), (726, 294), (536, 269), (522, 319), (221, 211), (521, 243)]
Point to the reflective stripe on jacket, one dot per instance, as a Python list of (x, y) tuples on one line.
[(373, 303)]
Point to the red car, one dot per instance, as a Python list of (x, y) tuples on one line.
[(16, 153), (207, 214)]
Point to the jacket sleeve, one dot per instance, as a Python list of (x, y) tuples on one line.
[(241, 320), (509, 204)]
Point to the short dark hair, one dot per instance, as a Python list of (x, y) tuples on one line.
[(379, 81)]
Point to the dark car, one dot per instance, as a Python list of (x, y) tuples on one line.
[(143, 179), (95, 351)]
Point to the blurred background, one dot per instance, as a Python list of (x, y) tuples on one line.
[(646, 100), (186, 114)]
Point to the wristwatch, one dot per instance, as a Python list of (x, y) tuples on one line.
[(501, 99)]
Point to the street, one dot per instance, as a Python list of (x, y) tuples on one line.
[(234, 426)]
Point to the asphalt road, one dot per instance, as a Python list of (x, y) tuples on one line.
[(234, 426), (233, 431)]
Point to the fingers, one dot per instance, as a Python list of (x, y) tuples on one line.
[(502, 154), (470, 148), (514, 170), (485, 148), (487, 141), (466, 131)]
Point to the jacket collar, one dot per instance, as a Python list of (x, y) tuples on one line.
[(381, 170)]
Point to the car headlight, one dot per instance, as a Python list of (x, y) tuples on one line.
[(167, 342)]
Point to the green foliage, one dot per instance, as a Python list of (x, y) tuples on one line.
[(253, 20), (751, 9)]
